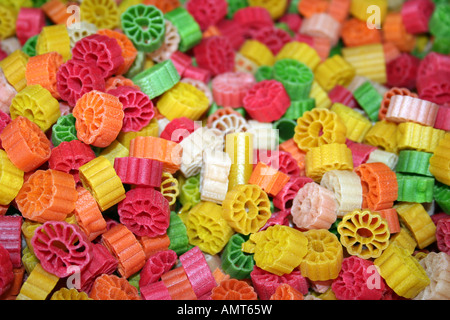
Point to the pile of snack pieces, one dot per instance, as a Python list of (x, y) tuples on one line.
[(224, 150)]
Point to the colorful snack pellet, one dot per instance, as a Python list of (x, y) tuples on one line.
[(156, 266), (269, 179), (334, 71), (353, 282), (439, 160), (412, 188), (436, 266), (286, 292), (102, 13), (48, 195), (229, 88), (42, 70), (235, 262), (383, 134), (6, 271), (10, 238), (112, 287), (401, 271), (391, 216), (418, 222), (99, 177), (364, 233), (441, 194), (357, 124), (395, 91), (38, 285), (233, 289), (54, 38), (323, 260), (14, 68), (295, 76), (61, 247), (415, 136), (369, 99), (178, 284), (405, 108), (188, 28), (69, 294), (139, 171), (11, 179)]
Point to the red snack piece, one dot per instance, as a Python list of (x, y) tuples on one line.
[(443, 234), (145, 212), (274, 38), (178, 129), (360, 152), (75, 78), (432, 63), (266, 101), (196, 73), (442, 119), (279, 217), (198, 272), (6, 270), (402, 71), (416, 14), (435, 87), (102, 262), (304, 38), (61, 248), (207, 12), (139, 171), (438, 216), (137, 107), (265, 283), (230, 88), (283, 200), (69, 156), (158, 264), (155, 291), (353, 281), (181, 61), (342, 95), (215, 54), (252, 19), (5, 119), (11, 238), (101, 51), (30, 22), (293, 21), (281, 160), (233, 31)]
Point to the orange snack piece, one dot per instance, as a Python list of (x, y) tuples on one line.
[(165, 151), (154, 245), (112, 287), (309, 7), (355, 33), (233, 289), (394, 31), (286, 292), (178, 284), (47, 195), (163, 5), (25, 144), (291, 147), (394, 91), (56, 11), (268, 178), (391, 216)]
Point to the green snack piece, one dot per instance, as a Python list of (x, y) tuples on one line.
[(235, 5), (188, 29), (264, 73), (190, 191), (439, 23), (158, 79), (134, 280), (441, 45), (369, 99), (137, 66), (286, 129), (293, 6), (414, 162), (441, 194), (333, 228), (234, 261), (296, 77), (145, 26), (30, 46), (298, 108), (413, 188), (177, 233), (64, 130)]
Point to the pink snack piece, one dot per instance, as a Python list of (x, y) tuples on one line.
[(6, 270), (265, 283), (443, 234), (181, 61), (266, 101), (233, 31), (5, 119), (69, 156), (11, 238), (360, 152), (75, 78), (252, 19), (139, 171), (432, 63), (198, 272), (230, 88), (410, 109), (353, 281), (416, 14), (101, 51), (102, 262), (344, 96), (179, 129), (293, 21), (137, 107), (314, 207), (279, 217), (62, 248), (215, 54), (435, 87), (207, 12), (284, 199), (442, 119), (196, 73), (29, 23), (402, 71), (145, 212), (7, 93), (155, 291), (158, 264)]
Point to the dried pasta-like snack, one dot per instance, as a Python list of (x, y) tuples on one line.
[(437, 268)]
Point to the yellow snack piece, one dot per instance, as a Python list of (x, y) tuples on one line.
[(320, 95), (334, 71), (11, 179), (69, 294), (104, 14), (418, 137), (183, 100), (38, 285), (169, 187), (257, 52), (278, 249), (357, 125), (8, 16), (383, 135), (14, 67), (150, 130), (368, 61), (301, 52), (54, 38), (29, 260), (404, 239), (28, 228), (324, 258), (418, 221), (206, 227), (36, 104), (364, 9), (276, 8), (239, 147), (401, 271), (115, 150), (101, 180), (440, 160)]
